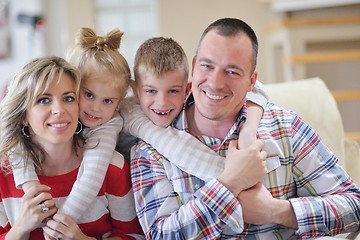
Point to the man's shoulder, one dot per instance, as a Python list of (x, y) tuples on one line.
[(276, 117), (274, 111)]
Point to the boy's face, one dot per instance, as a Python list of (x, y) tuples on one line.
[(161, 98), (98, 99)]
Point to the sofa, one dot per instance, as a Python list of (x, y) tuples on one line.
[(313, 101)]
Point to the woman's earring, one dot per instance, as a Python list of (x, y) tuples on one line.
[(79, 128), (25, 131)]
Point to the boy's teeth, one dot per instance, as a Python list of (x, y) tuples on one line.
[(162, 113)]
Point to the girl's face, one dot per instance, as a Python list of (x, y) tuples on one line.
[(99, 99), (53, 118)]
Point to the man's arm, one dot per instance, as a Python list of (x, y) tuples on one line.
[(322, 197)]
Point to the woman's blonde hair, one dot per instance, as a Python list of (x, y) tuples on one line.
[(32, 81), (101, 53)]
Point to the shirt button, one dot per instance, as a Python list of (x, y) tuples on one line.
[(197, 186)]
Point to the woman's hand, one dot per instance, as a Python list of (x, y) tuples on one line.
[(36, 206), (63, 227)]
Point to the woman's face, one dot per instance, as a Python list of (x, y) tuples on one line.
[(53, 118)]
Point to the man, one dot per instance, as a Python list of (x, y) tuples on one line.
[(306, 194)]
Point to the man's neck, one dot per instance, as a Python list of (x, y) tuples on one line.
[(201, 126)]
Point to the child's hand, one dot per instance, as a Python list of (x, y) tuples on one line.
[(62, 226), (27, 185)]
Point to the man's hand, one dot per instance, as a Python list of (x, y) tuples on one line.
[(243, 168), (259, 207)]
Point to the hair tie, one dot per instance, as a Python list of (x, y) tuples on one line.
[(88, 39)]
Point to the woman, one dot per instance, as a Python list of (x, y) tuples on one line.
[(39, 115)]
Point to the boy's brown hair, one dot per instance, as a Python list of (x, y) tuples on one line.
[(159, 55)]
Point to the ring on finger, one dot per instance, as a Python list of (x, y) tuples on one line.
[(59, 237), (44, 208)]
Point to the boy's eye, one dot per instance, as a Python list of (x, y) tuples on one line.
[(150, 91), (108, 101), (173, 91)]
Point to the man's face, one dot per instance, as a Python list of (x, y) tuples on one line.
[(221, 76)]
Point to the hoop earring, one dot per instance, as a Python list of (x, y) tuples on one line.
[(79, 128), (25, 131)]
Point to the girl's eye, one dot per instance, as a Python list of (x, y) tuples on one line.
[(69, 99), (108, 101), (89, 95), (150, 91)]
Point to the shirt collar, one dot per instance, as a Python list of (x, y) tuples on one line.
[(181, 120)]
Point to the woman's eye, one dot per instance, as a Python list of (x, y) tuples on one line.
[(43, 100), (69, 99)]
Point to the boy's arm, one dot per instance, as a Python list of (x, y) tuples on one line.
[(256, 101), (180, 147), (24, 175), (99, 148)]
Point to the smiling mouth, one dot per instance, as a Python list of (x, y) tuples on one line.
[(214, 97), (58, 125), (91, 116), (162, 113)]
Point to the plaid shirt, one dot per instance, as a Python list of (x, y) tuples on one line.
[(172, 204)]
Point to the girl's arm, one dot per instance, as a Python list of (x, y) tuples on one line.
[(99, 148), (24, 175)]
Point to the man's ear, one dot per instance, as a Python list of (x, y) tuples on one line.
[(253, 79), (192, 65)]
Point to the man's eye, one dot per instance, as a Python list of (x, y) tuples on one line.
[(204, 65), (232, 72)]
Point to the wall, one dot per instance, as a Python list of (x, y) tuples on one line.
[(185, 21), (62, 20)]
